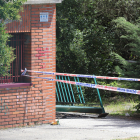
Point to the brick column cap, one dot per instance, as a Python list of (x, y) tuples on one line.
[(42, 1)]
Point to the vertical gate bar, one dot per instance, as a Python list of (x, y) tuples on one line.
[(59, 90), (6, 81), (10, 72), (16, 61), (62, 90), (68, 90), (71, 90), (78, 91), (81, 92), (17, 41), (21, 47), (65, 91), (10, 64), (18, 56), (5, 77), (9, 77), (23, 54), (103, 111), (21, 50), (57, 95)]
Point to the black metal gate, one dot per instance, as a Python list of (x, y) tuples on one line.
[(17, 42)]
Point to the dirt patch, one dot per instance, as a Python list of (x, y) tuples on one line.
[(60, 115)]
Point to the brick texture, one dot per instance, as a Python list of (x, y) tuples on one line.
[(34, 104)]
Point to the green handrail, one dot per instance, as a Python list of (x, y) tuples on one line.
[(81, 92), (62, 90), (65, 91), (72, 91), (68, 90), (78, 91), (103, 111), (59, 90), (57, 95)]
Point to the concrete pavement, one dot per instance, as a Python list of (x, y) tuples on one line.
[(77, 128)]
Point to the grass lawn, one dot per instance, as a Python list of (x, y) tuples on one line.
[(121, 106)]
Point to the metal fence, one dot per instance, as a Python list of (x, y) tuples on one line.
[(17, 42)]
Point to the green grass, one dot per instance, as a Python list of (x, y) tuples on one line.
[(120, 106)]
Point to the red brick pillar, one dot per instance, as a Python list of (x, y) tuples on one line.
[(43, 58), (25, 104)]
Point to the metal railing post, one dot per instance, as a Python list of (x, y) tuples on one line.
[(103, 111)]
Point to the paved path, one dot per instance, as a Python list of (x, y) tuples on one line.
[(77, 128)]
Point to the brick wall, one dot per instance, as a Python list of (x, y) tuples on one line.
[(34, 104), (17, 107), (43, 58)]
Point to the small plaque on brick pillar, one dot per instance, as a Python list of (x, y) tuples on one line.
[(44, 17)]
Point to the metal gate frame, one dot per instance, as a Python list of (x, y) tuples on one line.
[(63, 96)]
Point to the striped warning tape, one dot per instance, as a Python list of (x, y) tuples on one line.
[(125, 90), (85, 76)]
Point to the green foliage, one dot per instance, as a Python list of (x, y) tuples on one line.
[(6, 52), (132, 34), (137, 107), (82, 44), (9, 10), (88, 42), (120, 106), (85, 30)]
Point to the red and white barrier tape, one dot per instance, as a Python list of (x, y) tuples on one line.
[(85, 76), (125, 90)]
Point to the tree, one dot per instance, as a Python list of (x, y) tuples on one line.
[(85, 30), (87, 40), (6, 52), (82, 43), (132, 35), (9, 10)]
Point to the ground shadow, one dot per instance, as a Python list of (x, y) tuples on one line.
[(75, 115)]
